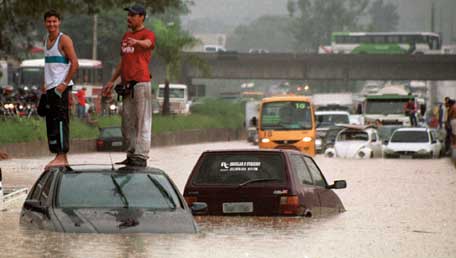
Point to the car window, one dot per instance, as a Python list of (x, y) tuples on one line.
[(410, 136), (111, 132), (374, 137), (237, 168), (301, 170), (315, 172), (47, 187), (39, 185), (108, 190), (353, 136)]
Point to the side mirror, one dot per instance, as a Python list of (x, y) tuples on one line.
[(385, 142), (338, 184), (199, 208), (35, 205), (434, 141)]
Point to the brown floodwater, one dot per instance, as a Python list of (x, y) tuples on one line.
[(395, 208)]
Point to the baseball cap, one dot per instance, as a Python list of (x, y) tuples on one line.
[(136, 9)]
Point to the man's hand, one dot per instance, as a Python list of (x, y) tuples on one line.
[(61, 88), (131, 42), (107, 89)]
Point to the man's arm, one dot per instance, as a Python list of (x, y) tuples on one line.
[(145, 43), (67, 48), (107, 88)]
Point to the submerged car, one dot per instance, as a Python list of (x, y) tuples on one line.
[(413, 142), (253, 182), (101, 200), (325, 120), (358, 142), (110, 139)]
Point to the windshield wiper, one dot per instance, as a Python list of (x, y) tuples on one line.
[(163, 191), (121, 193), (258, 180)]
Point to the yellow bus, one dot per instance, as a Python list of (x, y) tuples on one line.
[(287, 122)]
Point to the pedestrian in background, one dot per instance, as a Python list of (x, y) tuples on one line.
[(60, 64), (136, 51), (410, 110), (81, 105)]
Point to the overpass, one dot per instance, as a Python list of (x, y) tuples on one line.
[(233, 65)]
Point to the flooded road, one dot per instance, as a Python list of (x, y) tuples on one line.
[(395, 208)]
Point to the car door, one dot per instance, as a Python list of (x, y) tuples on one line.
[(306, 189), (40, 192), (329, 201)]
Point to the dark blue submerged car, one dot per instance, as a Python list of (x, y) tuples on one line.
[(101, 200)]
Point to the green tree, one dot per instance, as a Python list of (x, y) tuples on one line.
[(266, 32), (315, 20), (20, 20), (384, 16), (171, 40)]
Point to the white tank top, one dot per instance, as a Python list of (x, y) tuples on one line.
[(56, 66)]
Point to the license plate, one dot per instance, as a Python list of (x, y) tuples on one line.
[(405, 156), (237, 207), (116, 144)]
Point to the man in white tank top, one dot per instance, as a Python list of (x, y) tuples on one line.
[(61, 63)]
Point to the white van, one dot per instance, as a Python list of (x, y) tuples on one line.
[(178, 98), (214, 48)]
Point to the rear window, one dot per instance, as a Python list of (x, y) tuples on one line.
[(238, 168), (410, 136), (107, 190), (111, 132)]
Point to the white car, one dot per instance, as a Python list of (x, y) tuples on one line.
[(413, 142), (356, 142)]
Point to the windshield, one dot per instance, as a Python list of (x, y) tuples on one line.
[(286, 115), (111, 132), (353, 136), (108, 190), (239, 168), (410, 136), (32, 76), (327, 120), (385, 106), (173, 93)]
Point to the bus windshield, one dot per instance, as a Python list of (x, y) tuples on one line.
[(286, 115), (385, 106)]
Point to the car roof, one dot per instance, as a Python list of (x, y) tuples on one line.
[(289, 151), (412, 129), (332, 112), (105, 168)]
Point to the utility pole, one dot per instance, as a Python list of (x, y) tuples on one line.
[(432, 16), (94, 36)]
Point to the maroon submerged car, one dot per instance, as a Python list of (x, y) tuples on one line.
[(261, 183)]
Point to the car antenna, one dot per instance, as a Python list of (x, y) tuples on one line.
[(112, 164)]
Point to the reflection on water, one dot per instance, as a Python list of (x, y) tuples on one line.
[(395, 208)]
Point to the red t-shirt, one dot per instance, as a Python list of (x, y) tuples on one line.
[(81, 95), (135, 59)]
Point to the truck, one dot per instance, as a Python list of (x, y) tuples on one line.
[(387, 105)]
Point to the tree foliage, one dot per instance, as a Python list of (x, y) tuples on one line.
[(384, 16), (20, 19), (315, 20)]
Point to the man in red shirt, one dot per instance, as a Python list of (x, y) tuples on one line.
[(410, 110), (80, 107), (136, 51)]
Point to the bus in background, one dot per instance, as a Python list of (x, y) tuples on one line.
[(384, 42), (178, 98), (89, 75), (287, 122)]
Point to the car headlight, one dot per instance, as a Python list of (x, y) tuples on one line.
[(307, 139), (318, 142), (265, 140), (112, 107)]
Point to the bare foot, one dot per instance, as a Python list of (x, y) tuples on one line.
[(58, 161)]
